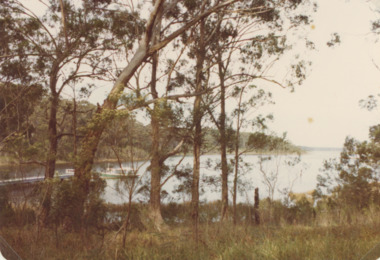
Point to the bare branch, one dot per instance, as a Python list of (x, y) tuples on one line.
[(174, 171), (173, 152)]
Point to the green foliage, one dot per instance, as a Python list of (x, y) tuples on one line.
[(67, 208), (211, 139), (259, 141), (116, 214), (64, 204), (17, 104), (95, 210), (176, 213), (301, 212), (374, 133), (21, 148), (126, 137), (354, 180), (6, 210), (31, 142)]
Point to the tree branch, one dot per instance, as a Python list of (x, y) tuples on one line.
[(174, 171)]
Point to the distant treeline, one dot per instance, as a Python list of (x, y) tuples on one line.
[(31, 116)]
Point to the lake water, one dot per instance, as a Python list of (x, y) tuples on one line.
[(300, 177)]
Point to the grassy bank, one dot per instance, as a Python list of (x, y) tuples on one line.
[(216, 242)]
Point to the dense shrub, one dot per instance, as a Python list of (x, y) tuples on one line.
[(6, 210)]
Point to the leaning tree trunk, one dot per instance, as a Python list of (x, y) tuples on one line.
[(105, 113)]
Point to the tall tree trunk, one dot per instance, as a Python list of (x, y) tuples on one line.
[(223, 140), (52, 133), (197, 120), (196, 167), (52, 153), (155, 166), (155, 170)]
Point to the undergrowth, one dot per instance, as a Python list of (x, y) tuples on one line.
[(216, 241)]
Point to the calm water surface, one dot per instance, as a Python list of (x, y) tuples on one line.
[(300, 177)]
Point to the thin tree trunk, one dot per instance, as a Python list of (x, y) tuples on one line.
[(237, 139), (155, 169), (197, 142), (52, 133), (75, 127), (126, 222), (51, 157), (196, 169), (236, 172), (256, 207), (223, 141)]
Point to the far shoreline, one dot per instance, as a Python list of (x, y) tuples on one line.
[(7, 162)]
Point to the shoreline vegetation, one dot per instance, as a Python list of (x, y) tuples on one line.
[(273, 145), (6, 161)]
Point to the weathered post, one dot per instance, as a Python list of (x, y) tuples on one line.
[(256, 207)]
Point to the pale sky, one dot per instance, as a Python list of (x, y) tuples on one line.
[(325, 109)]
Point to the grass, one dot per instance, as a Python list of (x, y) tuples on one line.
[(216, 242)]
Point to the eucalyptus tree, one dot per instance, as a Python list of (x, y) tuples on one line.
[(245, 107), (197, 114), (69, 43), (247, 44), (60, 48), (164, 17), (225, 32), (352, 181), (165, 125), (142, 51)]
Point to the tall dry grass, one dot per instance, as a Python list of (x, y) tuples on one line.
[(217, 241)]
